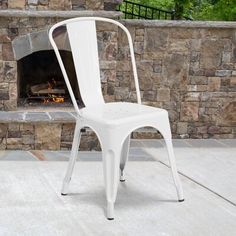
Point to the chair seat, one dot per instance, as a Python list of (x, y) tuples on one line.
[(118, 113)]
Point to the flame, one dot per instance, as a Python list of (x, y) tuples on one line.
[(54, 98), (58, 99)]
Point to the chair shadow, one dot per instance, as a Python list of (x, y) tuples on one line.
[(126, 198)]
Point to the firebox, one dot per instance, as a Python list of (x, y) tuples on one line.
[(40, 80)]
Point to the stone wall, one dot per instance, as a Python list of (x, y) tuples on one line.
[(188, 68), (59, 4), (38, 136), (23, 130)]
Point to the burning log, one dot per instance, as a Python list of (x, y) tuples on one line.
[(50, 92), (45, 88)]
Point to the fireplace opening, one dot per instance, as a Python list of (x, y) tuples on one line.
[(40, 80)]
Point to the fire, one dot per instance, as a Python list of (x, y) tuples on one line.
[(52, 97), (58, 99)]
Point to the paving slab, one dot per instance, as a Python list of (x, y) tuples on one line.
[(62, 116), (228, 142), (152, 143), (146, 204), (214, 168), (204, 143), (136, 154), (37, 117), (16, 155), (178, 143), (136, 143), (6, 117)]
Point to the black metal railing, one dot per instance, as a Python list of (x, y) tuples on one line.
[(133, 10)]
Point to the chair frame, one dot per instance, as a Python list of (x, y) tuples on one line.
[(115, 150)]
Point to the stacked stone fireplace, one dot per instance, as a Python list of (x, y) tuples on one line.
[(26, 57)]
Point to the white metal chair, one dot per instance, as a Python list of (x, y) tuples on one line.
[(112, 122)]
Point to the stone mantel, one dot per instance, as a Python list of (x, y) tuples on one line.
[(180, 24), (58, 14)]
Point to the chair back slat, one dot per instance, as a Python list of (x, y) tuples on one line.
[(83, 43)]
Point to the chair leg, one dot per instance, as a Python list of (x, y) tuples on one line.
[(175, 175), (73, 156), (163, 126), (124, 157), (111, 159)]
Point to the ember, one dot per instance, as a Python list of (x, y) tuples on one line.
[(58, 99), (54, 98)]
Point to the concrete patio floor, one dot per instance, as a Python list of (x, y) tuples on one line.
[(31, 204)]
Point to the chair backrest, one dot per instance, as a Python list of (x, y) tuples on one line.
[(83, 42)]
